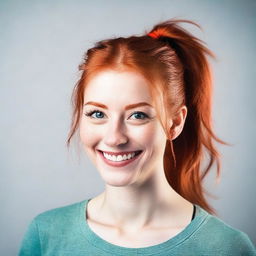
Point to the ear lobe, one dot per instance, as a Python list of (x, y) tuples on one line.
[(176, 131)]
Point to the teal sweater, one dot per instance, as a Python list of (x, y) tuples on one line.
[(64, 231)]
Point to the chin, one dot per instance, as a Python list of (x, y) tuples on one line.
[(117, 180)]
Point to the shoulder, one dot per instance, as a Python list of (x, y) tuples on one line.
[(221, 235), (50, 228), (60, 211), (60, 217), (218, 226)]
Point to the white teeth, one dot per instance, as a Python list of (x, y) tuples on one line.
[(118, 158)]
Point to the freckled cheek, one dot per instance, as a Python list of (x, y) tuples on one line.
[(154, 140), (145, 134), (89, 135)]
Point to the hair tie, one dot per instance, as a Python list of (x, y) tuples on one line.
[(158, 33), (154, 35)]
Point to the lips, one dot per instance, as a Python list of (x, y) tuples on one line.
[(133, 155)]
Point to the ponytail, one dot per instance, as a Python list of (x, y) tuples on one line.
[(197, 137)]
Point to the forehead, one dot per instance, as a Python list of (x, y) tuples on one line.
[(125, 86)]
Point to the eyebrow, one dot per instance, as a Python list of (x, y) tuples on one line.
[(139, 104)]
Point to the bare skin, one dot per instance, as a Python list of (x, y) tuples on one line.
[(160, 223)]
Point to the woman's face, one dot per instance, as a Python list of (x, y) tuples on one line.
[(119, 129)]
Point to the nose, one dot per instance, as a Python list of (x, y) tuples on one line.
[(115, 134)]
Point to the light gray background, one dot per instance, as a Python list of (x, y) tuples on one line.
[(41, 45)]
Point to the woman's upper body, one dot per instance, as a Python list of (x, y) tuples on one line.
[(66, 231), (142, 109)]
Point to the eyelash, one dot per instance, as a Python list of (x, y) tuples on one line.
[(90, 113)]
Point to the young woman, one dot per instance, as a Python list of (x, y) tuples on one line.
[(142, 108)]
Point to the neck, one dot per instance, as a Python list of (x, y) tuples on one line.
[(135, 207)]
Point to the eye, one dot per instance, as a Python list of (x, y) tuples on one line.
[(139, 115), (95, 114)]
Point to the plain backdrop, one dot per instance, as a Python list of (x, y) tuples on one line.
[(41, 45)]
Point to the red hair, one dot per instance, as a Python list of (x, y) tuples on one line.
[(175, 64)]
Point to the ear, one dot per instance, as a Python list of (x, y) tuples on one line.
[(177, 122)]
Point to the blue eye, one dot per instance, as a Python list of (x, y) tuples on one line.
[(140, 115), (95, 114)]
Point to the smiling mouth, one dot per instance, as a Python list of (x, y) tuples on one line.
[(119, 159)]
